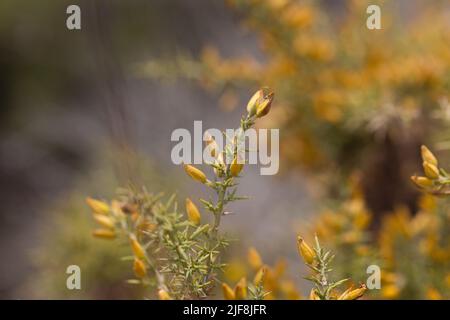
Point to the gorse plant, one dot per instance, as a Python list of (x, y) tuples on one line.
[(179, 255), (319, 261)]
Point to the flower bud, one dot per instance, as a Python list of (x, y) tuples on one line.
[(265, 105), (353, 294), (240, 291), (431, 171), (228, 293), (252, 105), (259, 276), (139, 268), (104, 221), (97, 206), (104, 233), (305, 251), (254, 259), (195, 173), (235, 167), (138, 251), (163, 295), (422, 182), (428, 156), (192, 212)]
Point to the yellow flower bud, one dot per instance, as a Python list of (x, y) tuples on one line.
[(192, 212), (97, 206), (139, 268), (228, 293), (422, 182), (259, 276), (195, 173), (313, 295), (240, 291), (265, 105), (254, 259), (235, 167), (104, 233), (163, 295), (104, 221), (431, 171), (138, 251), (353, 294), (305, 251), (252, 105), (260, 103), (428, 156)]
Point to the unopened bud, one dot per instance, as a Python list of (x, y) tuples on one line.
[(428, 156), (97, 206), (104, 233), (431, 171), (195, 173), (192, 212), (305, 251)]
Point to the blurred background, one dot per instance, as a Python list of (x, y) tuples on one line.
[(86, 111)]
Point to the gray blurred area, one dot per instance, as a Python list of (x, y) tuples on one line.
[(65, 94)]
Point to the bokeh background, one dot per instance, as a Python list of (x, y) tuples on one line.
[(86, 111)]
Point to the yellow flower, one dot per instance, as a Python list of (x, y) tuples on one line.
[(104, 233), (264, 107), (163, 295), (240, 291), (138, 251), (260, 103), (235, 167), (428, 156), (254, 259), (195, 173), (104, 221), (97, 206), (390, 291), (431, 171), (192, 212), (252, 104), (259, 276), (228, 293), (353, 294), (139, 268), (305, 251), (422, 182)]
